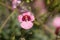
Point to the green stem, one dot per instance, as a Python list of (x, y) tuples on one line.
[(6, 21), (6, 5)]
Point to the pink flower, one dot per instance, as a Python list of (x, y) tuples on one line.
[(15, 3), (56, 21), (26, 20)]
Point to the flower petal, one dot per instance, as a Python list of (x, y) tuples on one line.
[(56, 22), (18, 1), (14, 1), (32, 17), (27, 13), (20, 18), (14, 6), (26, 25)]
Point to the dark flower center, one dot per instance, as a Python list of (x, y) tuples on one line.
[(26, 18), (57, 31)]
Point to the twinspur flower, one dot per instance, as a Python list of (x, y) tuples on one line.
[(26, 20), (15, 3)]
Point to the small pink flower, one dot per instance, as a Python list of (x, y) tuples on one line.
[(15, 3), (56, 21), (26, 20)]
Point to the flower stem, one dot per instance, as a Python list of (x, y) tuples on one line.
[(6, 21), (6, 6)]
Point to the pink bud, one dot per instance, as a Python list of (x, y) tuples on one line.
[(15, 3)]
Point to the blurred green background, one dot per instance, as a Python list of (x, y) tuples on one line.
[(42, 29)]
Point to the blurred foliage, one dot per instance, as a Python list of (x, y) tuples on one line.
[(12, 30)]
